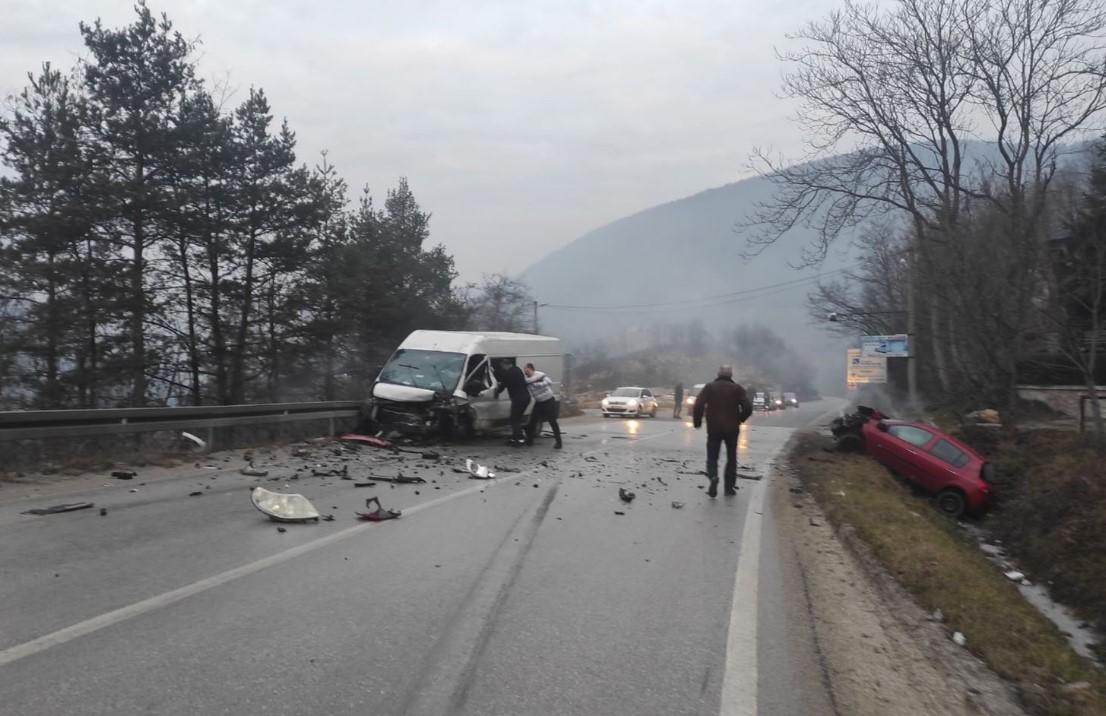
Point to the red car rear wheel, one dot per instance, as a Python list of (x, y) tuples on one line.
[(952, 502)]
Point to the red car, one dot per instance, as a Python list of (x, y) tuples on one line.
[(936, 462)]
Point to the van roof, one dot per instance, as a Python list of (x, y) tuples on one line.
[(468, 341)]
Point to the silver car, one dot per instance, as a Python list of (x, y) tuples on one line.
[(630, 401)]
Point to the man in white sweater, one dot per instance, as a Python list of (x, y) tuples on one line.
[(545, 407)]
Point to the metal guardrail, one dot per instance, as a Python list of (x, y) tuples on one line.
[(34, 424)]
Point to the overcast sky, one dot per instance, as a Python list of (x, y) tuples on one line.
[(520, 124)]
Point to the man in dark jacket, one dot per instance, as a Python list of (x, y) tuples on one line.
[(727, 406), (678, 393), (513, 380)]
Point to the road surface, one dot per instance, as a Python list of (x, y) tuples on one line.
[(529, 594)]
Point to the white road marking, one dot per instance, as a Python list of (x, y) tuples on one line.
[(740, 676), (116, 616)]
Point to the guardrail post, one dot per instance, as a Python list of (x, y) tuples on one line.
[(210, 438), (330, 426)]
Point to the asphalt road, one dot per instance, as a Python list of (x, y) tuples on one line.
[(528, 594)]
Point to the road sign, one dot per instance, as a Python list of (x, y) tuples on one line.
[(896, 346), (861, 369)]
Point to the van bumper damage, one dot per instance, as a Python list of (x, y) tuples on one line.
[(438, 416)]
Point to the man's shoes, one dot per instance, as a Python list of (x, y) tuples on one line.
[(731, 491), (557, 445), (712, 491)]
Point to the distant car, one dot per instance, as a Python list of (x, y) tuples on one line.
[(692, 394), (790, 400), (760, 401), (957, 476), (635, 402)]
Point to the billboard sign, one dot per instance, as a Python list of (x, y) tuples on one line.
[(862, 369), (896, 346)]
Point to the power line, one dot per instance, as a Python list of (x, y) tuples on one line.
[(705, 301)]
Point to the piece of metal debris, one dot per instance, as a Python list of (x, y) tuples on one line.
[(282, 529), (56, 509), (619, 512), (197, 493), (750, 475), (252, 471), (959, 638), (677, 505), (478, 471), (124, 474), (103, 511), (367, 440), (1014, 575), (202, 444), (364, 484), (283, 507), (378, 513), (625, 495)]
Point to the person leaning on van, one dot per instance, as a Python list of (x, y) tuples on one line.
[(546, 408), (513, 380)]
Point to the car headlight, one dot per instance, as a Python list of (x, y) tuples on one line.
[(605, 403), (633, 405), (690, 401)]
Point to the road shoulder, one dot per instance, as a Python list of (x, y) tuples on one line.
[(879, 650)]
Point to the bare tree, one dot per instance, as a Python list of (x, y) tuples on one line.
[(914, 112), (500, 303)]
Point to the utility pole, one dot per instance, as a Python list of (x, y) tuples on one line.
[(536, 331)]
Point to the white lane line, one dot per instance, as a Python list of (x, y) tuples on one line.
[(740, 677), (102, 621)]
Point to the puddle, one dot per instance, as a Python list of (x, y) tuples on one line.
[(1081, 638)]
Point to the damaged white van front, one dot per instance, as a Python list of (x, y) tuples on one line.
[(444, 382)]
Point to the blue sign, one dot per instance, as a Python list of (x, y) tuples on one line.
[(896, 346)]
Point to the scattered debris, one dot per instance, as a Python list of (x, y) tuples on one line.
[(815, 523), (332, 472), (368, 440), (431, 455), (202, 444), (281, 507), (619, 512), (124, 474), (56, 509), (134, 490), (677, 505), (197, 493), (749, 475), (478, 471), (379, 514), (661, 481), (370, 483), (327, 518), (959, 638), (625, 495), (282, 529), (497, 468), (300, 452), (252, 471), (1014, 576), (103, 512), (937, 616)]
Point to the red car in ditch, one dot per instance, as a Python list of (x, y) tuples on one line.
[(938, 463)]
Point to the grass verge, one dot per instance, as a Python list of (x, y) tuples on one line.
[(944, 570)]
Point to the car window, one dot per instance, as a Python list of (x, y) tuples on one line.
[(909, 433), (948, 452), (647, 394)]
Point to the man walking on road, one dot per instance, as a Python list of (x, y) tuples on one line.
[(546, 407), (727, 406), (513, 380), (679, 395)]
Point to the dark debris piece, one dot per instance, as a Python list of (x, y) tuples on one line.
[(364, 484), (620, 512), (625, 495), (377, 514), (124, 474), (282, 529), (197, 493), (56, 509)]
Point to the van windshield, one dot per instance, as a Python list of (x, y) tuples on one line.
[(430, 370)]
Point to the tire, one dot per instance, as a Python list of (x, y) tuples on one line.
[(653, 414), (951, 501)]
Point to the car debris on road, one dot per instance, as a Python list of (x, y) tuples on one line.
[(252, 471), (124, 474), (57, 509), (625, 495), (478, 471), (283, 507), (200, 443), (379, 513)]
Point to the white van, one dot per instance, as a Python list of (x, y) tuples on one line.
[(445, 381)]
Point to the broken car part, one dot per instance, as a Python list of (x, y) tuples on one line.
[(377, 513), (282, 507), (202, 444), (68, 507), (124, 474), (478, 471)]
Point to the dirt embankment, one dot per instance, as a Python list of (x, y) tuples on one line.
[(928, 582)]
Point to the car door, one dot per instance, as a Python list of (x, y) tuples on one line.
[(941, 463), (908, 443)]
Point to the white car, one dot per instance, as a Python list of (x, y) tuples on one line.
[(635, 402), (689, 401)]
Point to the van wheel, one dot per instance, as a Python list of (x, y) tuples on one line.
[(951, 501)]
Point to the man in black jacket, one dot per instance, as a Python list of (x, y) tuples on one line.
[(513, 380), (727, 406)]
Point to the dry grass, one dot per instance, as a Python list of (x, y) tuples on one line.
[(944, 570)]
